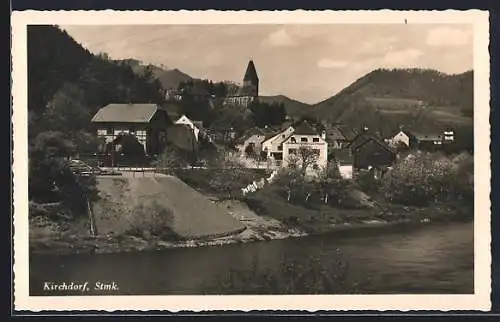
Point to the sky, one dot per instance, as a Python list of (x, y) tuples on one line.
[(308, 63)]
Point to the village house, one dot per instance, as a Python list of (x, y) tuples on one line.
[(147, 122), (195, 126), (426, 142), (403, 138), (250, 143), (272, 146), (371, 153), (339, 135), (305, 139), (432, 142), (249, 91)]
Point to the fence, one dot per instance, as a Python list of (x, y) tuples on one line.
[(117, 160)]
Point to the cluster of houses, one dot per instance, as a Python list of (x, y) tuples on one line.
[(351, 149)]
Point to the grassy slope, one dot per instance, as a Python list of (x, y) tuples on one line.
[(319, 218), (194, 215)]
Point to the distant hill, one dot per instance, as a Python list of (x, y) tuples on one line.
[(292, 107), (169, 78), (422, 100)]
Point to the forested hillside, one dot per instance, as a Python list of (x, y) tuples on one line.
[(66, 86), (292, 107), (423, 100)]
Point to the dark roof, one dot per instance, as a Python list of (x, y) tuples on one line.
[(126, 113), (363, 137), (334, 133), (250, 132), (251, 73), (346, 131), (305, 128)]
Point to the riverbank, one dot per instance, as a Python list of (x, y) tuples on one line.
[(276, 219)]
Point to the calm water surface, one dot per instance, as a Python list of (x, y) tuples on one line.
[(436, 258)]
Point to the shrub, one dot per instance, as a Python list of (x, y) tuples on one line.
[(367, 182), (310, 276), (328, 188), (170, 160), (152, 220), (419, 179)]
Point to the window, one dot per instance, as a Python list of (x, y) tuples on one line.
[(283, 136), (315, 139), (303, 139), (280, 148), (293, 140), (292, 151), (131, 131), (109, 131), (316, 151)]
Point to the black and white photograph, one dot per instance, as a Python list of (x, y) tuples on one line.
[(210, 153)]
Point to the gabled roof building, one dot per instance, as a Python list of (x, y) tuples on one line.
[(147, 122)]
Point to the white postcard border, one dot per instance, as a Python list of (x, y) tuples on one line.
[(480, 300)]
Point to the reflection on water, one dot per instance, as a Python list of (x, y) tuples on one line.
[(426, 259)]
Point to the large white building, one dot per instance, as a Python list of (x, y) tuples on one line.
[(306, 140)]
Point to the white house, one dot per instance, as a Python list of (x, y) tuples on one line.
[(402, 137), (196, 126), (306, 137), (273, 146)]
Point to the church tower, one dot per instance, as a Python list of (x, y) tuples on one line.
[(251, 80)]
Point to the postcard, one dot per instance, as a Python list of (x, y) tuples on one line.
[(251, 160)]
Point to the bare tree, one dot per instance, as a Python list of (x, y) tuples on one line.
[(330, 183), (304, 158), (290, 179)]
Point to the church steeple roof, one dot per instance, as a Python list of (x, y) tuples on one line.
[(251, 73)]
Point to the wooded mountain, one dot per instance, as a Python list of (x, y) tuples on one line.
[(66, 81), (419, 99), (169, 78)]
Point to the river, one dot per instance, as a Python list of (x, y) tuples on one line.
[(434, 258)]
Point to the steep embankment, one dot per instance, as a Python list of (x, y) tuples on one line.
[(129, 204)]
